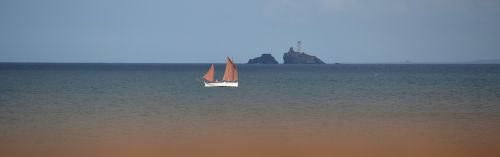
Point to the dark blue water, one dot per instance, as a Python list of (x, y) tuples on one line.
[(383, 90)]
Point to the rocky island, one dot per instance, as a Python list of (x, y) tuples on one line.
[(263, 59), (290, 57), (294, 57)]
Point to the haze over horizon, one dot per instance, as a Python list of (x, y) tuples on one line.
[(154, 31)]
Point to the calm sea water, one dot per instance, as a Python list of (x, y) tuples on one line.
[(50, 102)]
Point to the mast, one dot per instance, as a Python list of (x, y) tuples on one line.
[(209, 76)]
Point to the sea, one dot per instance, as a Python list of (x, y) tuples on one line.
[(118, 109)]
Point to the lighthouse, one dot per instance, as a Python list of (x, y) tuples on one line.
[(299, 46)]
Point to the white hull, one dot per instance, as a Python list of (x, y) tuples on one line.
[(221, 84)]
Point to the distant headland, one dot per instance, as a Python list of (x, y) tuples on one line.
[(290, 57)]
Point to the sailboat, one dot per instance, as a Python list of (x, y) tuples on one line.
[(230, 78)]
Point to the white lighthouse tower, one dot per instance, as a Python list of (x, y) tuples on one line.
[(299, 46)]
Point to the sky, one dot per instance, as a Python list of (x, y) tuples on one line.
[(189, 31)]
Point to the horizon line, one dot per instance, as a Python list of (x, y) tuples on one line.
[(471, 62)]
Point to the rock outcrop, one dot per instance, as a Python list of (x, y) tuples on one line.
[(293, 57), (263, 59)]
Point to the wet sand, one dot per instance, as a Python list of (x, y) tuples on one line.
[(356, 138)]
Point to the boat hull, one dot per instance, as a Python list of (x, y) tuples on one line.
[(221, 84)]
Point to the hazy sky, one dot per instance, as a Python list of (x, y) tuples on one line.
[(208, 30)]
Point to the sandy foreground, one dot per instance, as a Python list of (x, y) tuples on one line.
[(356, 139)]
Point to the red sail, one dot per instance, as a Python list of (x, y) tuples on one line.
[(235, 72), (210, 74), (231, 73)]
